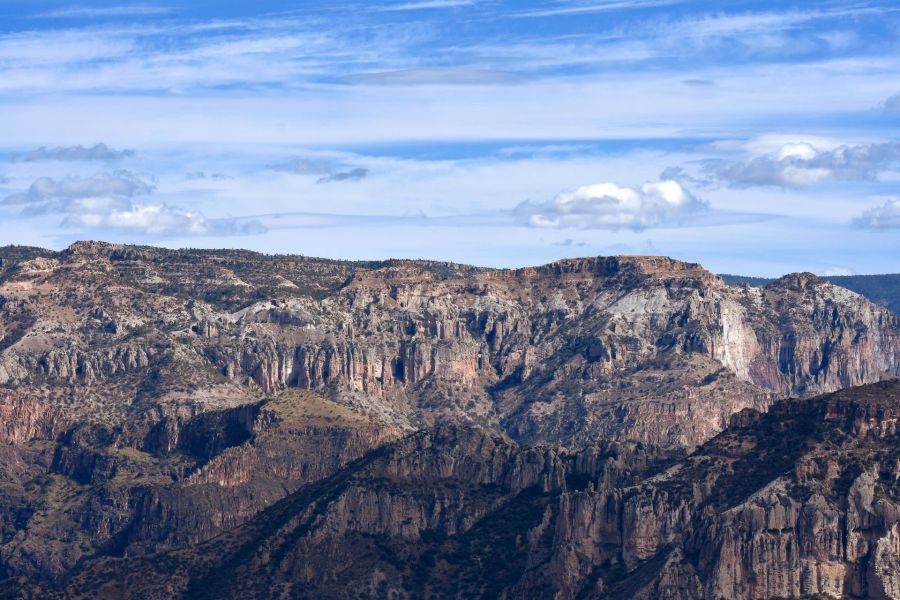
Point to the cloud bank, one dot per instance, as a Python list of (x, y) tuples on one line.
[(74, 153), (801, 164), (608, 206), (106, 201), (121, 184)]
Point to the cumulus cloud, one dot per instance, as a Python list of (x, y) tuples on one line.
[(121, 184), (802, 164), (608, 206), (106, 201), (162, 220), (886, 216), (74, 153), (352, 175)]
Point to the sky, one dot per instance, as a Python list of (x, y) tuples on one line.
[(754, 137)]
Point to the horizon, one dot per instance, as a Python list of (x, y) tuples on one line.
[(481, 132), (449, 262)]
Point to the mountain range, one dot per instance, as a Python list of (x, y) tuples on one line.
[(226, 424)]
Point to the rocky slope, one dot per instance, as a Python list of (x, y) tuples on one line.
[(152, 399), (801, 501), (563, 352), (880, 289)]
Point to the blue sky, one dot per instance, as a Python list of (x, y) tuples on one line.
[(753, 137)]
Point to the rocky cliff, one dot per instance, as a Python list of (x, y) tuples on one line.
[(153, 399), (563, 352), (799, 502)]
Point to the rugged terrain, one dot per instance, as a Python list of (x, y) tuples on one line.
[(802, 501), (880, 289), (180, 404)]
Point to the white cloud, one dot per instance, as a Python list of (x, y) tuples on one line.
[(802, 164), (608, 206), (121, 184), (159, 220), (886, 216), (105, 202)]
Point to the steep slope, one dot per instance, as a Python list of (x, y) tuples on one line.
[(154, 398), (799, 502), (89, 492), (880, 289), (532, 352)]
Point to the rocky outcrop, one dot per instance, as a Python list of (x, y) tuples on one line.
[(22, 419)]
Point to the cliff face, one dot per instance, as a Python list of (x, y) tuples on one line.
[(152, 399), (799, 502), (564, 352)]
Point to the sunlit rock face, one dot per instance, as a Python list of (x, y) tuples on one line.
[(152, 399)]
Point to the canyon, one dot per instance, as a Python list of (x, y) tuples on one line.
[(199, 423)]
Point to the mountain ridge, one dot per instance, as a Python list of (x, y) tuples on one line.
[(154, 399)]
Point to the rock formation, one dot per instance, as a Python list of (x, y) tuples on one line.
[(151, 400), (799, 502)]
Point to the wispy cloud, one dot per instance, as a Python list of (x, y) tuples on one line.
[(203, 176), (100, 152), (425, 5), (303, 166), (326, 169), (438, 77), (357, 174), (93, 12), (581, 8)]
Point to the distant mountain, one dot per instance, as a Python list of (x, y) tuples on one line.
[(880, 289)]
